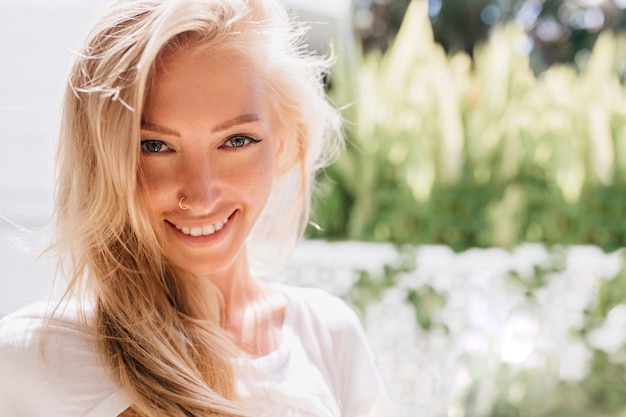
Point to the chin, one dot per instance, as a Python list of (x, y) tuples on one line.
[(210, 264)]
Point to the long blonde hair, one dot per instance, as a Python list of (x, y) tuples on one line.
[(167, 361)]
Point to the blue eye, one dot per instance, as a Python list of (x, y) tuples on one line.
[(154, 146), (239, 141)]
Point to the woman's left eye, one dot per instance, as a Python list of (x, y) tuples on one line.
[(239, 141)]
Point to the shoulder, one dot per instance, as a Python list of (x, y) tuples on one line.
[(331, 333), (23, 332), (313, 304), (323, 322), (33, 317), (50, 365)]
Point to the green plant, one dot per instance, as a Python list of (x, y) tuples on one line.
[(446, 149)]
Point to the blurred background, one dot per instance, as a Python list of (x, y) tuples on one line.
[(37, 42), (476, 218), (487, 142), (484, 123)]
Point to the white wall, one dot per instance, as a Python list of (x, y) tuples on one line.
[(37, 39)]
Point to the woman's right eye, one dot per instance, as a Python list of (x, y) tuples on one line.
[(154, 146)]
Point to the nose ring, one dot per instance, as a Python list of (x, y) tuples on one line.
[(180, 203)]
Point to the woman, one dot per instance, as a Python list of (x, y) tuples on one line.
[(191, 133)]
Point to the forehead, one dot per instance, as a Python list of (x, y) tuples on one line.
[(195, 83), (206, 63)]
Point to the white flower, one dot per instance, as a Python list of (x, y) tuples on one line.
[(611, 336), (574, 360)]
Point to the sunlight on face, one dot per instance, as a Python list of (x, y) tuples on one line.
[(207, 136)]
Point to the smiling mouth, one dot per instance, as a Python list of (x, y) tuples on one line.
[(206, 230)]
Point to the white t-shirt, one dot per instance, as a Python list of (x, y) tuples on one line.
[(324, 358)]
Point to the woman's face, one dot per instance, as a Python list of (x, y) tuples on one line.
[(207, 135)]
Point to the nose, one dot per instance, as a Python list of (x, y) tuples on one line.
[(200, 186)]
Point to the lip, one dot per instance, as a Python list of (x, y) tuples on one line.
[(202, 239)]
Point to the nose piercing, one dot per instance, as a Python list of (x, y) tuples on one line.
[(180, 203)]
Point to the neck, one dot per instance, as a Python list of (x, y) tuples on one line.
[(249, 309)]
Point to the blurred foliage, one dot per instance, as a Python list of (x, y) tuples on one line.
[(558, 31), (533, 387), (489, 142), (606, 384), (479, 152)]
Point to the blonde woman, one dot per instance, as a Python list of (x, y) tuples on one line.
[(191, 133)]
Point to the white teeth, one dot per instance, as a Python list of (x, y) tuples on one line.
[(205, 230), (208, 230)]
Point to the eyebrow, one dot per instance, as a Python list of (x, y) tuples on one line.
[(239, 120), (153, 127)]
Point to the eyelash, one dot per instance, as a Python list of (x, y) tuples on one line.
[(247, 139), (228, 143)]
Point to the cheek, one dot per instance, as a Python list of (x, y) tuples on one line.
[(260, 186), (264, 171), (154, 185), (150, 178)]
